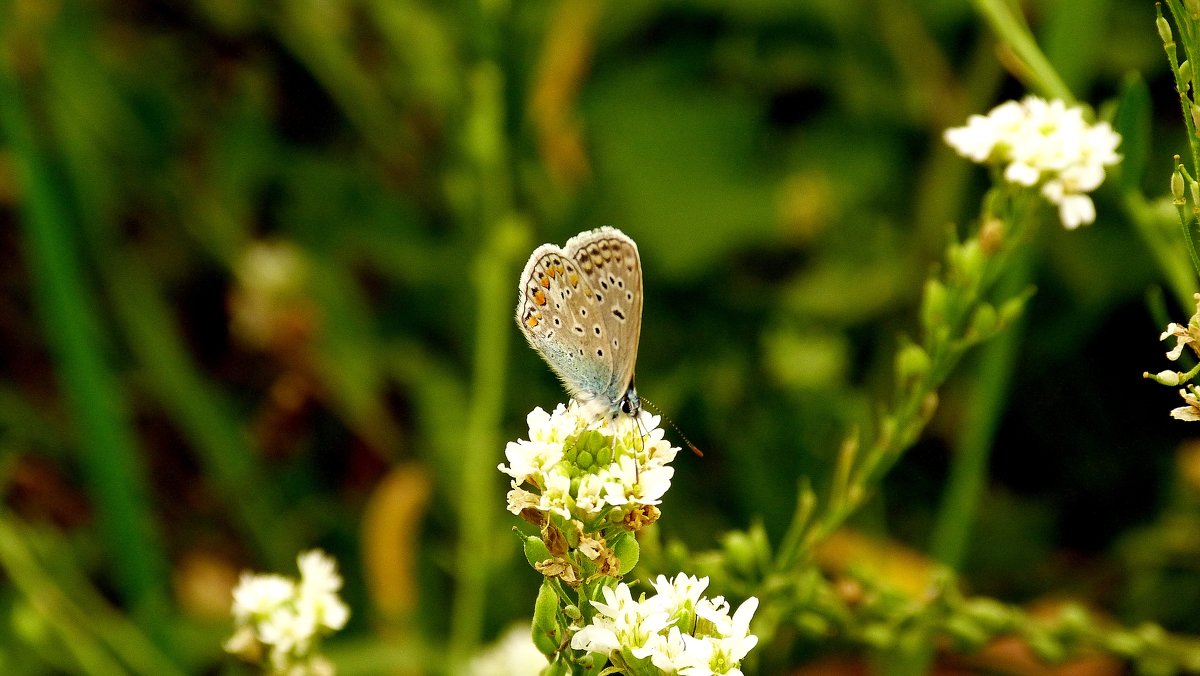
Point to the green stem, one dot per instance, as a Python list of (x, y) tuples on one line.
[(198, 407), (94, 398), (501, 232), (968, 469), (1182, 85), (67, 602), (1015, 33)]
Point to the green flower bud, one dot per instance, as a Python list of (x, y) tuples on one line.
[(966, 633), (933, 305), (1164, 31), (1178, 197), (1012, 308), (1125, 644), (912, 362), (585, 460), (984, 323), (1185, 71), (604, 456), (989, 613)]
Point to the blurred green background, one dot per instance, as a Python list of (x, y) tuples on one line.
[(259, 261)]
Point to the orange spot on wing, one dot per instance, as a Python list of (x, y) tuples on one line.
[(532, 321), (544, 281), (573, 279), (552, 271), (539, 297)]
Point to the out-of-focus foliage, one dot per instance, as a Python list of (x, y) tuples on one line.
[(259, 259)]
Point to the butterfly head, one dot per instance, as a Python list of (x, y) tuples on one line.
[(629, 404)]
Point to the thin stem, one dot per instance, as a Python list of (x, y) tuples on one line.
[(1181, 84), (1015, 33), (107, 445), (500, 231)]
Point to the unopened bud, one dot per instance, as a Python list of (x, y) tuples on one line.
[(983, 324), (1164, 31), (933, 309), (1185, 71), (1167, 378), (1177, 195), (912, 362)]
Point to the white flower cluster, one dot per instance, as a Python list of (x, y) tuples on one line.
[(677, 630), (578, 465), (1043, 143), (1185, 336), (283, 618)]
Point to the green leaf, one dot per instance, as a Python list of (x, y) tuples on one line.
[(1133, 123)]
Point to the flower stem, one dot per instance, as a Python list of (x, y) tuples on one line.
[(501, 232), (1013, 31), (968, 469)]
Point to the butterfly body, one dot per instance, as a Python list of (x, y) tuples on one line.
[(580, 308)]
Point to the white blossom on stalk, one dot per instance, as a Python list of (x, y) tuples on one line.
[(578, 466), (677, 630), (1043, 144), (283, 619)]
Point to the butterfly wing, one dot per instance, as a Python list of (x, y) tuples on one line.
[(580, 308), (612, 268), (553, 312)]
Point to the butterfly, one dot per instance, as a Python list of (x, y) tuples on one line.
[(580, 308)]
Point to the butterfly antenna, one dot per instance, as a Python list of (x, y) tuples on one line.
[(655, 409)]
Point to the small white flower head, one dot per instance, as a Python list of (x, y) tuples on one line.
[(1191, 409), (513, 654), (257, 596), (269, 292), (283, 620), (581, 466), (677, 630), (1043, 144), (1185, 336)]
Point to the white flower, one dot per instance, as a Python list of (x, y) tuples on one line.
[(259, 595), (668, 652), (581, 466), (678, 597), (678, 630), (1192, 410), (285, 619), (318, 572), (513, 654), (1043, 143), (288, 630)]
